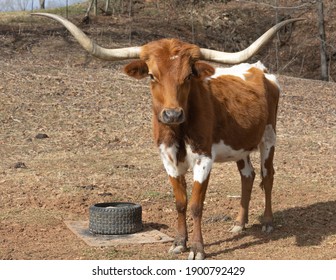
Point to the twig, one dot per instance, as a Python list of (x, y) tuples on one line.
[(277, 7)]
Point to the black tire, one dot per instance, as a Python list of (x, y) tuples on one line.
[(115, 218)]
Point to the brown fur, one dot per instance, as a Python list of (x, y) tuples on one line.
[(241, 110)]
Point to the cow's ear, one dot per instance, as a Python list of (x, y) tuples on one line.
[(202, 70), (137, 69)]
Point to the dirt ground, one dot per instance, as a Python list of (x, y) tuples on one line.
[(97, 147)]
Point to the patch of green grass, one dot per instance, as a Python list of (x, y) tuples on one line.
[(38, 216), (155, 195), (25, 17), (76, 9), (112, 253)]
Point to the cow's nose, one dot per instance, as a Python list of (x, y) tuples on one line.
[(172, 116)]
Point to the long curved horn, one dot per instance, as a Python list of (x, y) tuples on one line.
[(233, 58), (92, 47)]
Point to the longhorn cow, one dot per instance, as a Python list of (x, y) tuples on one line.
[(203, 115)]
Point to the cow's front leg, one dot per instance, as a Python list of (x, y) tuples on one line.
[(180, 192), (247, 175), (201, 171), (196, 206)]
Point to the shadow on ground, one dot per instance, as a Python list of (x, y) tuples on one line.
[(309, 225)]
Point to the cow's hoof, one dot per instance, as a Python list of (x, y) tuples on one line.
[(177, 249), (196, 251), (237, 228), (267, 228), (196, 256)]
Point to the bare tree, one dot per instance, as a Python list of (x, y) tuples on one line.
[(23, 4), (86, 18), (322, 36), (107, 5), (94, 4), (42, 4)]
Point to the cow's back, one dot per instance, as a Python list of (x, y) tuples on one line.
[(244, 98)]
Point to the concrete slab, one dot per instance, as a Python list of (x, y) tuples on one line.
[(147, 235)]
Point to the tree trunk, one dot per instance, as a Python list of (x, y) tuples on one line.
[(278, 36), (42, 4), (95, 7), (107, 6), (323, 51)]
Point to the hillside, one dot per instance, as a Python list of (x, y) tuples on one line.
[(222, 25)]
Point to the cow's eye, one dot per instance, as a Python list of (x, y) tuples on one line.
[(151, 76), (188, 78)]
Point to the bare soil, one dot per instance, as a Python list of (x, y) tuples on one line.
[(96, 146)]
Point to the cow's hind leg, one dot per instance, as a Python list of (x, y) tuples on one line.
[(180, 192), (247, 175), (266, 148)]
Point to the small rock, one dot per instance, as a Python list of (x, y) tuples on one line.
[(218, 218), (88, 187), (41, 136), (105, 194), (158, 237), (20, 165)]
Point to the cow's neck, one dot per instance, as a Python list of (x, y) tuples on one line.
[(169, 134)]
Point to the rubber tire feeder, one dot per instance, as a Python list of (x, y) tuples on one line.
[(115, 218)]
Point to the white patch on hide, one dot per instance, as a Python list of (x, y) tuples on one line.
[(248, 170), (202, 168), (168, 156), (268, 76), (273, 79), (237, 70), (266, 144), (200, 164), (222, 153), (241, 70)]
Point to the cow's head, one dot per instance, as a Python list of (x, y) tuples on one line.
[(172, 67)]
